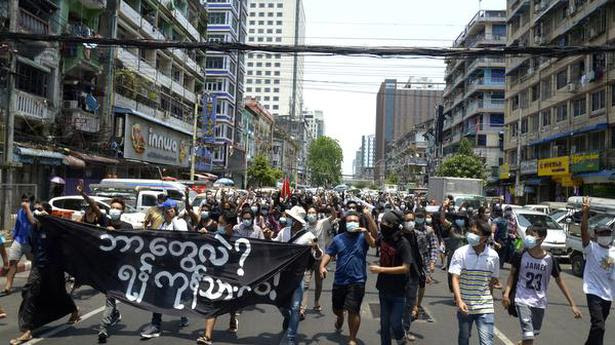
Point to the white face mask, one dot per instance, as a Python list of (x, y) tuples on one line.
[(605, 241), (115, 214), (428, 221), (247, 222), (409, 225)]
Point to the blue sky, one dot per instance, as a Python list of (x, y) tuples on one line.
[(345, 87)]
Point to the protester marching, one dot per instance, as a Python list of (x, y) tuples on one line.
[(236, 249)]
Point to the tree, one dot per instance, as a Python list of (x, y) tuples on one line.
[(392, 178), (324, 160), (260, 172), (463, 164)]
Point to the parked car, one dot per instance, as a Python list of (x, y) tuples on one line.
[(555, 242), (540, 208), (76, 205)]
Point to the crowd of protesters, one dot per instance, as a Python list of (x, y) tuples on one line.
[(414, 237)]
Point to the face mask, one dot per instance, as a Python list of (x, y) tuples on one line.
[(205, 214), (409, 225), (420, 221), (428, 220), (387, 230), (247, 222), (115, 214), (460, 222), (605, 241), (463, 209), (289, 222), (507, 214), (221, 230), (530, 242), (265, 212), (352, 226), (254, 209), (311, 218), (282, 220), (473, 239), (402, 207), (38, 213)]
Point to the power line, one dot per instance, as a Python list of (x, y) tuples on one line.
[(552, 51)]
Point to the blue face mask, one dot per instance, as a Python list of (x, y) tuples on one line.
[(221, 230), (473, 239), (352, 226), (460, 222), (529, 242)]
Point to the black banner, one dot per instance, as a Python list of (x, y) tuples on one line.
[(178, 273)]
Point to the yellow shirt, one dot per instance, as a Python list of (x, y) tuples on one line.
[(155, 217)]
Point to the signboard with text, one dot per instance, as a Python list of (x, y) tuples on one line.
[(529, 167), (554, 166), (504, 171), (151, 142), (209, 118), (585, 163)]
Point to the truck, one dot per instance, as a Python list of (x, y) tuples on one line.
[(462, 189)]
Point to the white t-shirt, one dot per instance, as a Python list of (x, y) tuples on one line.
[(285, 235), (177, 224), (320, 230), (534, 277), (599, 274)]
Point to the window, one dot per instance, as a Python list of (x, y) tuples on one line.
[(524, 125), (496, 120), (252, 14), (535, 92), (280, 14), (268, 64), (276, 90), (259, 72), (277, 81), (278, 31), (482, 140), (277, 64), (280, 5), (258, 89), (250, 64), (598, 100), (215, 62), (546, 117), (278, 39), (270, 14), (279, 22), (261, 22), (217, 18), (269, 31), (215, 38), (267, 89), (597, 141), (251, 31), (269, 39), (562, 79), (276, 98), (534, 123), (261, 14), (261, 5), (260, 39), (579, 106), (252, 22), (31, 80), (267, 72), (270, 5), (276, 73), (276, 107), (561, 112), (249, 89), (270, 22), (252, 5), (547, 92), (260, 31)]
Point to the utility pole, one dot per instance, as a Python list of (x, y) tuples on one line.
[(109, 30), (9, 118), (194, 129)]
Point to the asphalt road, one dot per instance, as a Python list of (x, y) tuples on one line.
[(262, 324)]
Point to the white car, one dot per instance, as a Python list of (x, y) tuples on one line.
[(77, 205), (556, 236)]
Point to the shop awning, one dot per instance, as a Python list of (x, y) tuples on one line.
[(28, 155), (603, 176), (74, 162), (571, 133), (122, 110), (94, 158)]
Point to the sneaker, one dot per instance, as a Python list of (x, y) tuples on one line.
[(117, 317), (410, 337), (102, 336), (184, 322), (204, 341), (151, 331)]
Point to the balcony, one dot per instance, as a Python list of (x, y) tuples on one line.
[(30, 23), (94, 4), (30, 106), (78, 56), (485, 62), (487, 84), (485, 106), (485, 39), (181, 19), (80, 119), (518, 6)]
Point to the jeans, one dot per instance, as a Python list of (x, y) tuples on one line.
[(484, 323), (411, 292), (391, 310), (157, 319), (292, 314), (599, 311), (108, 314)]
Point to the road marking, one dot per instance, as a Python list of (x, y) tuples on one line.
[(63, 327), (502, 337)]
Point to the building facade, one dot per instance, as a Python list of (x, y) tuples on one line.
[(407, 158), (262, 129), (316, 123), (399, 108), (276, 80), (225, 82), (474, 95), (559, 137)]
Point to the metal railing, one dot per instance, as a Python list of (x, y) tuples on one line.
[(30, 105), (31, 23)]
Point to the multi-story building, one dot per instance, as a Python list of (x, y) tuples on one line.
[(474, 95), (559, 137), (408, 156), (367, 149), (399, 108), (298, 130), (284, 152), (225, 82), (316, 123), (357, 165), (276, 80), (262, 128)]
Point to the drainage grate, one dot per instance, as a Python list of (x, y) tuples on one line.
[(423, 316)]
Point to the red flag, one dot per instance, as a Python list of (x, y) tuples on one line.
[(285, 192)]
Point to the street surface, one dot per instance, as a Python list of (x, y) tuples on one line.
[(262, 324)]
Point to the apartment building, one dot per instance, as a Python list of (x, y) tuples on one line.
[(316, 123), (261, 129), (559, 126), (276, 80), (406, 157), (473, 99), (400, 107)]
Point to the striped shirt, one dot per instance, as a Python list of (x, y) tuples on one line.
[(475, 272)]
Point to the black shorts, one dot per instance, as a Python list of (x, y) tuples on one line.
[(348, 297)]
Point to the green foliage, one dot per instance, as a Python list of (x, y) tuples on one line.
[(463, 164), (325, 158), (261, 174), (360, 184), (392, 179)]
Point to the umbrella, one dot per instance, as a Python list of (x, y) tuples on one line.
[(58, 180), (225, 181)]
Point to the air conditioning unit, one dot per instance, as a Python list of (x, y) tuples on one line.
[(572, 87), (72, 104), (537, 7), (572, 10)]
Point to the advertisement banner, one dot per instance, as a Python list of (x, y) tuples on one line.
[(554, 166), (585, 163), (209, 118), (504, 171), (529, 167), (150, 142)]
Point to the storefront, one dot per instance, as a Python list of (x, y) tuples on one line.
[(38, 166), (563, 184), (597, 181), (153, 142)]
